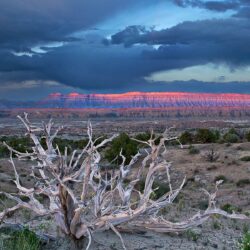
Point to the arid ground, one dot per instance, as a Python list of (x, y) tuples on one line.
[(216, 233)]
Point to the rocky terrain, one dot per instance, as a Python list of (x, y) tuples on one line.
[(217, 233)]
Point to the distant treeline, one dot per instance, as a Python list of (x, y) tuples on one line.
[(204, 135)]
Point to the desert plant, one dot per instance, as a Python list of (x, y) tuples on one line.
[(159, 189), (243, 182), (143, 136), (4, 152), (122, 142), (245, 244), (221, 177), (229, 208), (191, 235), (248, 136), (83, 199), (204, 135), (245, 158), (186, 138), (216, 225), (231, 138), (22, 240), (211, 155)]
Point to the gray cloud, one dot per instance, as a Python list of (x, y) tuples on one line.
[(24, 23), (197, 42), (243, 13), (219, 6), (93, 66), (97, 67), (205, 31)]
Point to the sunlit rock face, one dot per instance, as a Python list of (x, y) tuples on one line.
[(144, 100)]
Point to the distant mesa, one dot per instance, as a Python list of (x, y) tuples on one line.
[(74, 94), (131, 100), (144, 100), (55, 95)]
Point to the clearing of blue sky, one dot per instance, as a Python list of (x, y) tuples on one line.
[(160, 15), (204, 73)]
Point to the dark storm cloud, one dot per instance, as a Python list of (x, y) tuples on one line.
[(243, 13), (24, 23), (197, 42), (81, 66), (205, 31), (99, 67), (241, 7), (94, 66), (219, 6)]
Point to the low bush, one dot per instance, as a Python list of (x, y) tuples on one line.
[(143, 136), (230, 208), (211, 155), (4, 152), (216, 225), (191, 235), (248, 136), (204, 135), (159, 187), (245, 243), (123, 142), (245, 158), (186, 138), (231, 138), (21, 240), (221, 177), (243, 182)]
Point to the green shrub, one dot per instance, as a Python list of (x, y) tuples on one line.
[(21, 144), (221, 177), (245, 158), (248, 136), (204, 135), (143, 136), (245, 244), (186, 138), (192, 235), (231, 138), (203, 204), (230, 208), (243, 182), (216, 225), (159, 187), (4, 152), (128, 146), (22, 240)]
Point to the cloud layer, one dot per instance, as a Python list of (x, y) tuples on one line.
[(59, 41)]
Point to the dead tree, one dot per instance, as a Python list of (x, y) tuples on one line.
[(84, 199)]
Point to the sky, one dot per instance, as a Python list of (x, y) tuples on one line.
[(114, 46)]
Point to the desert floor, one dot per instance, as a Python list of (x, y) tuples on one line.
[(216, 233)]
